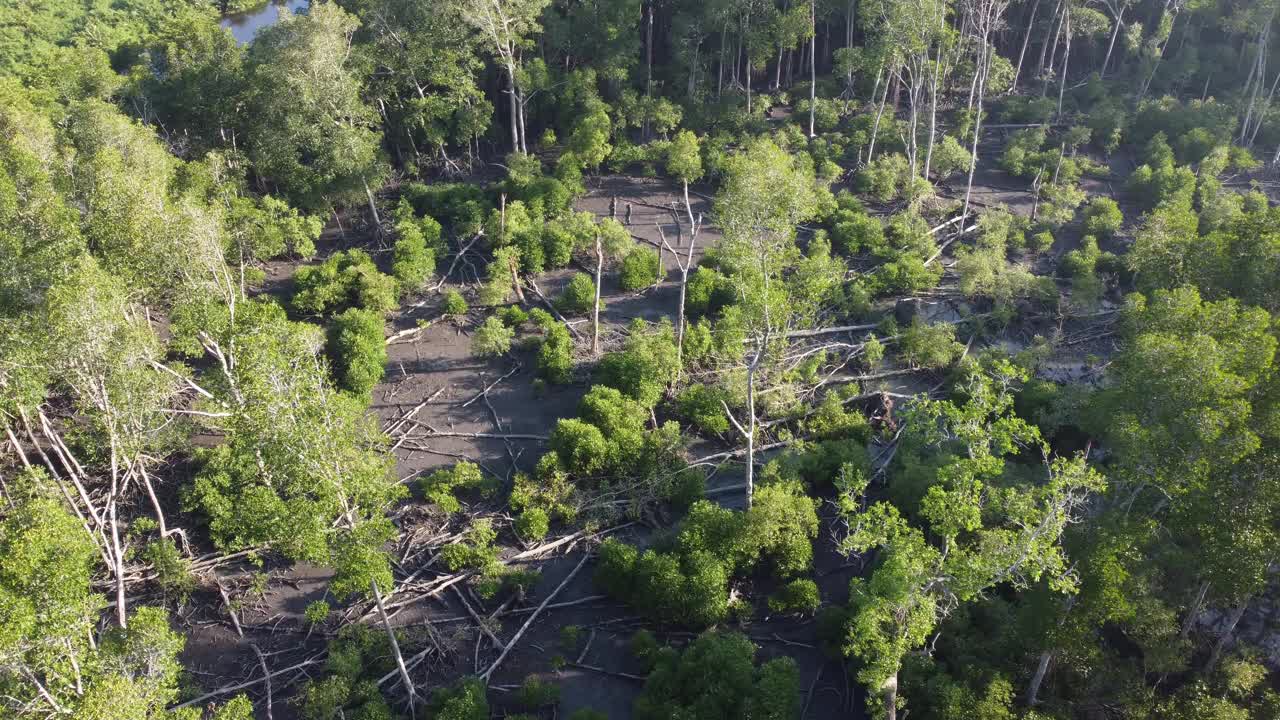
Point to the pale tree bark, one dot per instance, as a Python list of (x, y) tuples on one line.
[(1042, 668), (373, 206), (395, 648), (1115, 31), (889, 692), (1066, 57), (595, 313), (685, 265), (1026, 39), (1228, 634), (875, 127), (1170, 6), (749, 432), (1189, 622), (933, 112), (1055, 22), (813, 65), (1046, 657)]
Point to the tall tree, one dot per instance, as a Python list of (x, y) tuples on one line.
[(311, 133), (506, 27)]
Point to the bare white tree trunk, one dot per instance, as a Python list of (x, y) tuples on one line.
[(1042, 668), (595, 315), (889, 692), (1026, 39), (514, 106), (1115, 31), (395, 648), (813, 65), (1228, 634), (1189, 622), (1066, 57)]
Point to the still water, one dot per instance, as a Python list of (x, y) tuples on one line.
[(246, 24)]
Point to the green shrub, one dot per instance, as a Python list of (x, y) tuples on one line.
[(949, 157), (441, 487), (454, 304), (579, 296), (345, 279), (555, 354), (929, 346), (798, 596), (492, 338), (358, 349), (537, 693), (884, 177), (698, 342), (1058, 203), (464, 700), (716, 678), (832, 420), (701, 406), (580, 446), (645, 365), (1102, 218), (414, 256), (640, 269), (357, 657), (1040, 242), (173, 571), (532, 524), (707, 292), (513, 316), (412, 263), (859, 233), (688, 585), (475, 551), (317, 612)]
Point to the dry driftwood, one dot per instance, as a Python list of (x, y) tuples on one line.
[(228, 689), (534, 616)]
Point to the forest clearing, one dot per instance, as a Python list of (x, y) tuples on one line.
[(591, 359)]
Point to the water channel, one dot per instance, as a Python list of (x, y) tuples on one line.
[(245, 25)]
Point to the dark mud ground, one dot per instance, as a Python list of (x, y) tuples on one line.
[(436, 366)]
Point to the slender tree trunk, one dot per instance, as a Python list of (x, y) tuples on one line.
[(977, 128), (684, 282), (515, 111), (933, 113), (1146, 84), (1115, 31), (524, 136), (395, 648), (1270, 96), (720, 67), (1189, 622), (1033, 690), (777, 70), (1026, 39), (648, 63), (1227, 635), (1049, 38), (889, 691), (117, 552), (813, 64), (849, 19), (595, 313), (751, 432), (373, 206), (1066, 57), (875, 127)]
